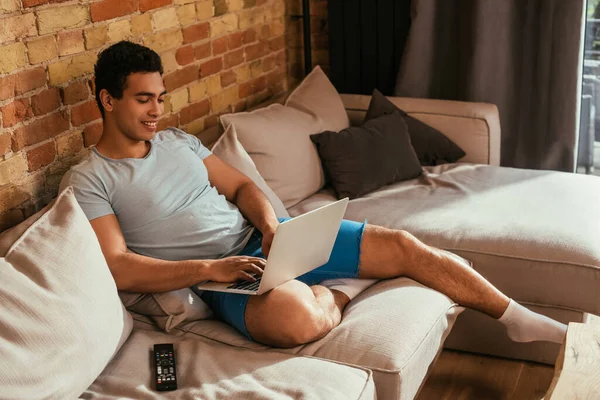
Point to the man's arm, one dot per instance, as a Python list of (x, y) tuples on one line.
[(240, 190), (136, 273)]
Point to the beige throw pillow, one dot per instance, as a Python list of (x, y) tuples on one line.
[(61, 318), (229, 149), (317, 96), (168, 309), (277, 138)]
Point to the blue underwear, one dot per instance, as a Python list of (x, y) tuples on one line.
[(343, 263)]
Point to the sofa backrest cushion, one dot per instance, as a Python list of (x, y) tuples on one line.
[(317, 96), (61, 318), (277, 138), (475, 127), (229, 149)]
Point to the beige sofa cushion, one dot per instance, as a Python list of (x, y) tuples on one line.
[(277, 140), (395, 328), (317, 96), (209, 370), (540, 226), (61, 317), (229, 149)]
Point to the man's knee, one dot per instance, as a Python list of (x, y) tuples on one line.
[(287, 316), (310, 323)]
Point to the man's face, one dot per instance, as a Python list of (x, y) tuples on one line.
[(137, 113)]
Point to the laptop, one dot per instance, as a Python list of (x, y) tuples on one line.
[(300, 245)]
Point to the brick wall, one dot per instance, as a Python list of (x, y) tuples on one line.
[(219, 56), (295, 42)]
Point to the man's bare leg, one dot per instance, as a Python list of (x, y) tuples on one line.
[(293, 314), (387, 253), (390, 253)]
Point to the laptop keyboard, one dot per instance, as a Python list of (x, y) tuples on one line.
[(246, 285)]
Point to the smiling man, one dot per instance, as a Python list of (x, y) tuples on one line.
[(169, 214)]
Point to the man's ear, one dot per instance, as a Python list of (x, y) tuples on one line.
[(106, 99)]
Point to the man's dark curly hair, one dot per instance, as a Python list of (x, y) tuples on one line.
[(116, 62)]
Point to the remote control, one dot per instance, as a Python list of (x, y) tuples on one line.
[(164, 367)]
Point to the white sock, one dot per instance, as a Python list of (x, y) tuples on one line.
[(524, 325), (351, 287)]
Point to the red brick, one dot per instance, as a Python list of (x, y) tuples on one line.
[(235, 40), (29, 80), (269, 62), (108, 9), (5, 143), (184, 55), (33, 3), (23, 82), (210, 67), (252, 87), (233, 58), (211, 121), (277, 88), (46, 101), (195, 32), (146, 5), (255, 51), (92, 133), (318, 24), (166, 121), (84, 113), (277, 43), (219, 46), (281, 58), (181, 77), (41, 155), (257, 98), (318, 8), (202, 51), (15, 112), (7, 87), (239, 106), (228, 78), (265, 32), (275, 77), (75, 93), (249, 36), (40, 130), (320, 42), (193, 112)]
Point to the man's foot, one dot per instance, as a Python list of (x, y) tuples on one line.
[(524, 325)]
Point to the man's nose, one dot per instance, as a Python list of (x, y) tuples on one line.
[(156, 109)]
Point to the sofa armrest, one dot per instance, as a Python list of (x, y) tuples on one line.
[(475, 127)]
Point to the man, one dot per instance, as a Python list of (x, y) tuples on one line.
[(169, 214)]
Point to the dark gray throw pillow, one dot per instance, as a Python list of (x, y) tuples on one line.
[(432, 146), (361, 159)]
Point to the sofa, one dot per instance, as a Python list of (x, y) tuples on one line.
[(534, 234)]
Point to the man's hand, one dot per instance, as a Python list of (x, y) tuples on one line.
[(267, 240), (231, 269)]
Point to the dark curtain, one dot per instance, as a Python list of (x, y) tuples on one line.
[(366, 42), (523, 56)]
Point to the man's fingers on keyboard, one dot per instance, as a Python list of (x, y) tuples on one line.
[(246, 276), (255, 269)]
